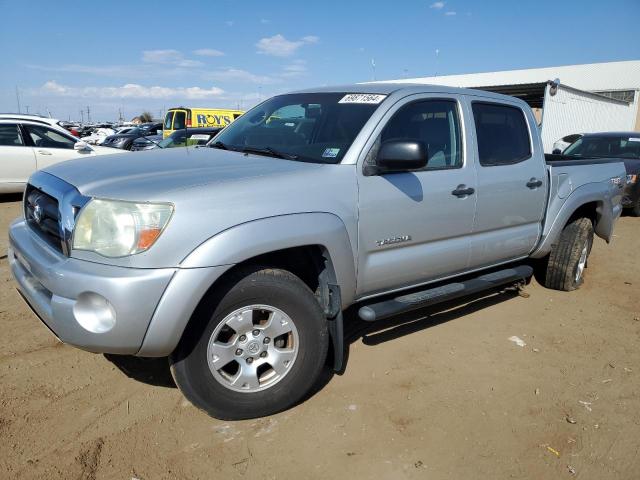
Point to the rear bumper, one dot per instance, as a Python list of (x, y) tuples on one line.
[(63, 291)]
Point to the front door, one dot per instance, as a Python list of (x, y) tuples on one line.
[(52, 146), (414, 226)]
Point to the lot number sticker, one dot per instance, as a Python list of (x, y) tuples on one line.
[(370, 98)]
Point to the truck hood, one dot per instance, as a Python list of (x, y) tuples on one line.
[(149, 175)]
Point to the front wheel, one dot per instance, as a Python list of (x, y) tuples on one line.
[(258, 350), (568, 258)]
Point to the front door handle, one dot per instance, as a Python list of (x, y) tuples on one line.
[(462, 191), (534, 183), (44, 152)]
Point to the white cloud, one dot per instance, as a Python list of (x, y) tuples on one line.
[(437, 5), (169, 57), (129, 90), (264, 21), (238, 75), (229, 23), (208, 52), (279, 46), (450, 14)]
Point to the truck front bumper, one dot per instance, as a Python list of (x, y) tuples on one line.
[(95, 307)]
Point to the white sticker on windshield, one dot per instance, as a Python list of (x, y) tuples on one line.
[(371, 98), (199, 136), (634, 139), (331, 153)]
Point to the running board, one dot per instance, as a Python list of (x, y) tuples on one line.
[(413, 301)]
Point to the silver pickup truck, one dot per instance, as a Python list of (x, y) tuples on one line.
[(237, 260)]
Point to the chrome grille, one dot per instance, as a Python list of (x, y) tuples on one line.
[(42, 213), (50, 209)]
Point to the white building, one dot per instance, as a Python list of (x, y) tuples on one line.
[(568, 99)]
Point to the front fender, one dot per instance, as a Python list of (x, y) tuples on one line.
[(247, 240)]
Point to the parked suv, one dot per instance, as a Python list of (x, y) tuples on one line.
[(124, 141), (237, 261), (28, 143)]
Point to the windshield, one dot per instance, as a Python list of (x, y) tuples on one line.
[(609, 146), (312, 127)]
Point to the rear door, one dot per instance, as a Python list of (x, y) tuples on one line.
[(414, 226), (512, 183), (17, 159)]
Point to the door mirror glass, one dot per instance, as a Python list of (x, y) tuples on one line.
[(401, 156)]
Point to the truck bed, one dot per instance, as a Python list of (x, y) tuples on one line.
[(561, 161)]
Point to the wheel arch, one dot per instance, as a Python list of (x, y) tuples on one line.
[(315, 247)]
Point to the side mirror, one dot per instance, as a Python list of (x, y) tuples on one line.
[(401, 156), (556, 151), (82, 146)]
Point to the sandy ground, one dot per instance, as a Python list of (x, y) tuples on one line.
[(446, 396)]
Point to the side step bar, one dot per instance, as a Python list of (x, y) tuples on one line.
[(413, 301)]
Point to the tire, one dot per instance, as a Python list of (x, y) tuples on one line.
[(267, 295), (635, 210), (568, 258)]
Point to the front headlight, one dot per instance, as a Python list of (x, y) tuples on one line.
[(115, 228)]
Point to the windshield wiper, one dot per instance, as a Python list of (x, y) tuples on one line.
[(269, 152), (220, 145)]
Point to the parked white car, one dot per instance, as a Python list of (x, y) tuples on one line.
[(98, 137), (29, 143)]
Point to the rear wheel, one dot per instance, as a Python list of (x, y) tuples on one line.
[(568, 258), (635, 210), (257, 350)]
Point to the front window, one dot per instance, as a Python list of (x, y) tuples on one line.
[(598, 147), (46, 137), (168, 120), (312, 127)]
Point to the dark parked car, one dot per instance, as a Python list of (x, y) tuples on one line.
[(193, 136), (624, 146), (125, 140), (146, 143)]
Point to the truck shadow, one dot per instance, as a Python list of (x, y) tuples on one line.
[(10, 197), (152, 371), (155, 371), (372, 334)]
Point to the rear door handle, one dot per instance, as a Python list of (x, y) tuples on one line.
[(462, 191), (44, 152), (534, 183)]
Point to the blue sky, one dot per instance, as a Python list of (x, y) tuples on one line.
[(136, 56)]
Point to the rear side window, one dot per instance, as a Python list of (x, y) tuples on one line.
[(10, 135), (502, 133), (167, 121)]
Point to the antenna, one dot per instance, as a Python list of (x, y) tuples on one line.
[(373, 69), (18, 98)]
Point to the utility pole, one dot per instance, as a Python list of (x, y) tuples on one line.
[(27, 107), (82, 116), (18, 98), (88, 115)]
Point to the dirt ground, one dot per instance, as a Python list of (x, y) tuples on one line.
[(444, 396)]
